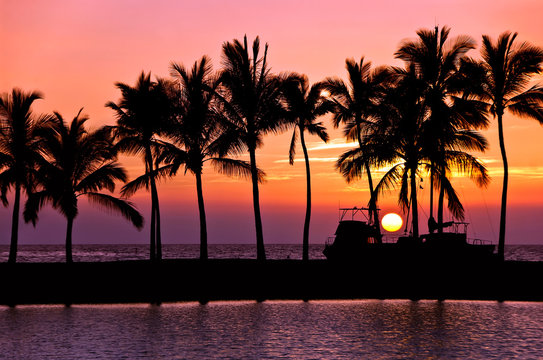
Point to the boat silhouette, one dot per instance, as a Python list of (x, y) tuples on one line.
[(357, 238)]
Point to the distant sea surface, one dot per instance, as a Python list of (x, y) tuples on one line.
[(89, 253)]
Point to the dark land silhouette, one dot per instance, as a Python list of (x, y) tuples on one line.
[(194, 280)]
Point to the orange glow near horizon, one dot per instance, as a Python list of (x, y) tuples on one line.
[(74, 52)]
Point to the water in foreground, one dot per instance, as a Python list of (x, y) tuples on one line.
[(369, 329)]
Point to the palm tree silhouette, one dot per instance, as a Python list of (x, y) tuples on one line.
[(402, 137), (21, 149), (201, 133), (508, 68), (356, 103), (305, 105), (142, 114), (252, 102), (395, 138), (78, 163), (453, 115)]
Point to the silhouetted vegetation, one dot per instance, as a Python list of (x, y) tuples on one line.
[(305, 104), (142, 115), (79, 163), (202, 132), (252, 102), (21, 149), (416, 121), (507, 69), (356, 106)]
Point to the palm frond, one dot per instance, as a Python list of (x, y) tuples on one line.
[(118, 206), (238, 168)]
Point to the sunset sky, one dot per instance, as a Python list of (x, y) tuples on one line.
[(74, 52)]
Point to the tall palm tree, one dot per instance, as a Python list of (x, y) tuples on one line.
[(305, 105), (252, 102), (79, 163), (142, 114), (356, 102), (200, 131), (21, 149), (437, 60), (508, 68)]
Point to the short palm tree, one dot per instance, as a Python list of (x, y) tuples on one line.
[(305, 105), (143, 113), (21, 148), (508, 69), (252, 101), (79, 163), (356, 103), (200, 133)]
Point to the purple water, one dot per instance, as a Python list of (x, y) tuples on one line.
[(367, 329)]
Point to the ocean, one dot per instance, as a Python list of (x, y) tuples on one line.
[(89, 253)]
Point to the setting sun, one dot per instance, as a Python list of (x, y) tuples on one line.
[(391, 222)]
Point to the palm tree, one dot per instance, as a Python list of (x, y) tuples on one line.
[(438, 64), (508, 68), (399, 139), (79, 163), (252, 102), (21, 149), (142, 114), (201, 133), (394, 138), (356, 103), (305, 105)]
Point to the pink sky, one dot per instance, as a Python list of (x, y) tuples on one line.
[(74, 51)]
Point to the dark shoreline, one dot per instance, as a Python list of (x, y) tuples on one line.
[(234, 279)]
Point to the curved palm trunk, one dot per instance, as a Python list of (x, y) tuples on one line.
[(373, 203), (373, 199), (203, 225), (15, 225), (69, 228), (503, 212), (149, 168), (305, 246), (260, 251), (414, 205)]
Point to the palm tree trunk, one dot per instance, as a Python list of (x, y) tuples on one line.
[(149, 168), (157, 220), (69, 228), (431, 192), (260, 251), (373, 203), (414, 205), (440, 208), (305, 246), (503, 212), (373, 198), (15, 225), (203, 225)]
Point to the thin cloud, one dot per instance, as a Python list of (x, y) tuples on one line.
[(333, 145), (330, 159)]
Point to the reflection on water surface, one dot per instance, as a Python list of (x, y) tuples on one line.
[(371, 329)]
